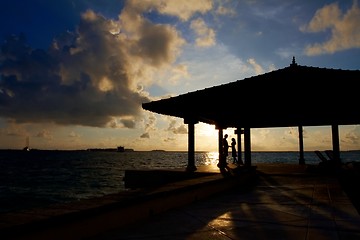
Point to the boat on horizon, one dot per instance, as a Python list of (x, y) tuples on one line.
[(26, 149), (27, 145)]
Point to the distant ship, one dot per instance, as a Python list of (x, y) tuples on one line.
[(27, 144), (123, 149), (118, 149), (26, 148)]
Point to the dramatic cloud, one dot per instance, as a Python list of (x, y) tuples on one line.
[(92, 76), (345, 29)]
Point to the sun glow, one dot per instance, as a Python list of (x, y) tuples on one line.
[(207, 130), (212, 158), (206, 137)]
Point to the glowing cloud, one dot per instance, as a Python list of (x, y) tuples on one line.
[(205, 35), (184, 9), (90, 77), (345, 30)]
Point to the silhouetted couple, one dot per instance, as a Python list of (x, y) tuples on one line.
[(233, 149)]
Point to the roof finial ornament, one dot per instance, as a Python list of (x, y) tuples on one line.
[(293, 63)]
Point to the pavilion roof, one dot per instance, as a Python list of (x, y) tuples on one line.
[(292, 96)]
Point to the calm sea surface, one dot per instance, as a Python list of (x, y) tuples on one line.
[(40, 178)]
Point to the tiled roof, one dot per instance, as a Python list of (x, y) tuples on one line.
[(291, 96)]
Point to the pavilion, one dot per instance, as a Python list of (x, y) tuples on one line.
[(294, 96)]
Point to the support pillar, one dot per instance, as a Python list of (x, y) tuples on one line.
[(191, 146), (239, 131), (247, 146), (222, 159), (301, 145), (335, 142)]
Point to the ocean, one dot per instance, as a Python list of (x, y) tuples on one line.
[(33, 179)]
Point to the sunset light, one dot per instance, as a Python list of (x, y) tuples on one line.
[(79, 71)]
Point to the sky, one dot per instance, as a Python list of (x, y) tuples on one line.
[(74, 73)]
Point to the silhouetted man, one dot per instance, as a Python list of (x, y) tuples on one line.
[(225, 147)]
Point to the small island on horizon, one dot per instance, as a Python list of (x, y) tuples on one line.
[(118, 149)]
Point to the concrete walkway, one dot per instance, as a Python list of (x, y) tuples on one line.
[(286, 203), (275, 201)]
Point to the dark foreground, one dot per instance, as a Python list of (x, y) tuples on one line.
[(273, 201)]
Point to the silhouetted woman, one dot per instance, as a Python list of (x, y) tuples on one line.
[(233, 151)]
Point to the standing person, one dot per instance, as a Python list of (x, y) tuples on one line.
[(225, 147), (233, 151)]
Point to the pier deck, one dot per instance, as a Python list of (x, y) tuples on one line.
[(273, 201)]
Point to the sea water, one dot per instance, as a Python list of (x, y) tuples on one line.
[(30, 179)]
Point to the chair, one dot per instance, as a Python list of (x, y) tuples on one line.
[(330, 154), (321, 156)]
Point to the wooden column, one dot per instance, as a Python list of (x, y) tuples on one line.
[(238, 131), (222, 160), (247, 146), (191, 145), (301, 145), (335, 142)]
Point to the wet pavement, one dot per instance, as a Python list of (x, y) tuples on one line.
[(283, 201)]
